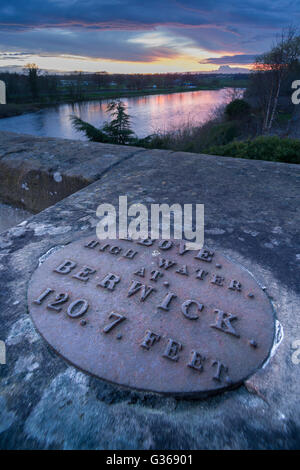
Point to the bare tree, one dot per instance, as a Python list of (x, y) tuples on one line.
[(233, 93), (271, 68), (32, 71)]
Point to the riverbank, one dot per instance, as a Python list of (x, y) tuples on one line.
[(16, 109), (232, 138)]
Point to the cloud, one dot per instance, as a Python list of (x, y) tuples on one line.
[(140, 14), (85, 43), (13, 55), (114, 29), (100, 14), (237, 59)]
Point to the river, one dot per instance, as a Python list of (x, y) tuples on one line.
[(148, 114)]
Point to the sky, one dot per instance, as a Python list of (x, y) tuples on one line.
[(138, 36)]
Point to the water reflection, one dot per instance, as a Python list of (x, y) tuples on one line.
[(149, 114)]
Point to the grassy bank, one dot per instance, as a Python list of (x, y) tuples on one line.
[(231, 132), (210, 139)]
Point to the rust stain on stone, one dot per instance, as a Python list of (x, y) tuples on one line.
[(153, 316)]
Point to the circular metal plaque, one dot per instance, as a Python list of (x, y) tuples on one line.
[(152, 315)]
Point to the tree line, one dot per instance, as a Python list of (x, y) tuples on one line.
[(35, 85)]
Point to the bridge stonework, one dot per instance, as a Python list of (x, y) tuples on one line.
[(251, 216)]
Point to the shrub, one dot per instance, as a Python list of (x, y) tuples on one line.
[(193, 138), (223, 133), (238, 109), (261, 148), (117, 131)]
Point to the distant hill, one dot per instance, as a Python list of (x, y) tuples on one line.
[(228, 69), (223, 69)]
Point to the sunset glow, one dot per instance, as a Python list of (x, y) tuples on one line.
[(139, 37)]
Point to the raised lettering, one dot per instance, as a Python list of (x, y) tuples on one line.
[(130, 254), (117, 319), (205, 255), (115, 250), (182, 248), (103, 248), (201, 274), (59, 299), (220, 368), (43, 295), (217, 280), (77, 308), (165, 263), (65, 267), (140, 272), (183, 270), (235, 285), (137, 286), (165, 244), (109, 281), (172, 350), (166, 301), (149, 339), (83, 274), (146, 242), (223, 322), (155, 275), (197, 360), (92, 244), (185, 308)]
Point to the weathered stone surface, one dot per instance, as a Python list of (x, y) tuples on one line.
[(10, 216), (252, 215), (35, 173)]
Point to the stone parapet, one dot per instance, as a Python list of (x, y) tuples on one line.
[(251, 215)]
